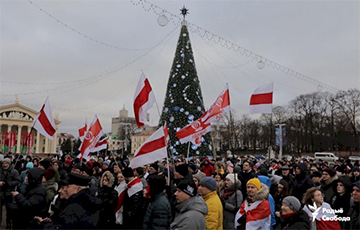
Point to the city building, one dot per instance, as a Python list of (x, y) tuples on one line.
[(17, 133)]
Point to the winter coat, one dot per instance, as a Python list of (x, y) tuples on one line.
[(290, 180), (191, 214), (327, 187), (354, 215), (158, 213), (22, 184), (258, 207), (51, 190), (214, 218), (11, 178), (342, 202), (301, 184), (298, 221), (32, 202), (81, 212), (266, 180), (109, 199), (134, 208), (244, 177), (231, 205)]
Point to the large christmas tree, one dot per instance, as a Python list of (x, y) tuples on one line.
[(183, 100)]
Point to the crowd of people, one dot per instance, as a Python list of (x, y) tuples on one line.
[(201, 193)]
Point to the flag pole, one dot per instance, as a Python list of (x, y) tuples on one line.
[(188, 152)]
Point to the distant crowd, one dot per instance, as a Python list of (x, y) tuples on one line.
[(220, 193)]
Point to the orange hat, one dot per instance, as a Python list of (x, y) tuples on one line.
[(255, 182)]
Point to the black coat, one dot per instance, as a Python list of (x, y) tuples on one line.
[(298, 221), (134, 210), (109, 199), (354, 214), (32, 202), (81, 212), (244, 177), (301, 184)]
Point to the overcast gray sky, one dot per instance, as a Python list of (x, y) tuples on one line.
[(87, 56)]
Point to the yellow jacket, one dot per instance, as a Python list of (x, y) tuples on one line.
[(214, 218)]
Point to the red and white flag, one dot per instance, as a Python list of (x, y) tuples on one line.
[(100, 145), (166, 133), (92, 136), (82, 130), (220, 106), (121, 189), (153, 149), (262, 98), (44, 122), (193, 132), (144, 99)]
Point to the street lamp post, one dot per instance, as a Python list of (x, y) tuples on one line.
[(280, 139)]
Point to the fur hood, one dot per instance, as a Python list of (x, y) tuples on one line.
[(262, 194), (111, 178), (331, 179)]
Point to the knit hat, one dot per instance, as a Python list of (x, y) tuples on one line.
[(155, 166), (199, 176), (188, 187), (128, 172), (182, 169), (7, 160), (357, 184), (208, 182), (330, 171), (49, 174), (255, 182), (106, 163), (356, 169), (30, 165), (45, 163), (232, 177), (293, 203)]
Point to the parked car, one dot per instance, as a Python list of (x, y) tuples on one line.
[(354, 158), (325, 156)]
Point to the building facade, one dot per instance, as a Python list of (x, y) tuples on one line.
[(18, 135), (138, 139)]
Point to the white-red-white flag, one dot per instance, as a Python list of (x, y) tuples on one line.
[(220, 106), (92, 136), (44, 122), (166, 133), (121, 190), (144, 99), (153, 149), (100, 145), (261, 100), (193, 132), (82, 130)]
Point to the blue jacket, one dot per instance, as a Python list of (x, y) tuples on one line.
[(266, 180)]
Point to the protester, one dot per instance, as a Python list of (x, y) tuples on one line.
[(355, 174), (120, 188), (302, 181), (51, 188), (293, 217), (207, 168), (245, 175), (32, 203), (354, 212), (158, 213), (342, 197), (231, 198), (109, 199), (316, 178), (82, 209), (191, 208), (319, 211), (328, 183), (23, 183), (286, 175), (9, 180), (207, 190), (255, 212), (134, 202)]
